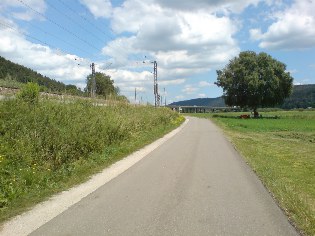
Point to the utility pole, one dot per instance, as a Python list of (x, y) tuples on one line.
[(93, 85), (135, 96), (156, 88), (155, 84)]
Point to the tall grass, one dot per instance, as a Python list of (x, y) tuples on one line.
[(48, 146)]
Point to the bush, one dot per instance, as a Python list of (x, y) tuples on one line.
[(29, 93)]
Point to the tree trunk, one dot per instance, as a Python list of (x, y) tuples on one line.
[(256, 114)]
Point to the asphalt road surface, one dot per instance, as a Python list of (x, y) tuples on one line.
[(194, 184)]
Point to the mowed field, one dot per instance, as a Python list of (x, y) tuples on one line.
[(282, 153)]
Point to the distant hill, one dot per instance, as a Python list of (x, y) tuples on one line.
[(14, 74), (213, 102), (303, 96)]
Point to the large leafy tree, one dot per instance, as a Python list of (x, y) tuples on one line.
[(104, 85), (254, 80)]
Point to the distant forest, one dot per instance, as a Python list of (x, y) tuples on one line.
[(303, 96), (212, 102), (14, 75)]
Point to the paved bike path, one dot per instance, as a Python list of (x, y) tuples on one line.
[(194, 184)]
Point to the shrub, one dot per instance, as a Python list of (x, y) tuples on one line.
[(29, 93)]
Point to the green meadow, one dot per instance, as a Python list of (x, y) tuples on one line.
[(282, 153)]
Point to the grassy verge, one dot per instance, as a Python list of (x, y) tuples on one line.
[(50, 146), (281, 152)]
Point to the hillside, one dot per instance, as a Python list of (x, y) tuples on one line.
[(213, 102), (303, 96), (13, 75)]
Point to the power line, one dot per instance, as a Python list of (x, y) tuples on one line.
[(56, 37), (60, 26), (32, 37), (98, 28), (69, 31), (121, 46), (10, 27), (73, 21), (84, 18)]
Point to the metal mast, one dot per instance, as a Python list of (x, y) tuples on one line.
[(93, 85), (155, 88)]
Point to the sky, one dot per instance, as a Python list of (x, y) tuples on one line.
[(189, 40)]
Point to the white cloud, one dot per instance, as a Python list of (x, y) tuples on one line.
[(183, 43), (134, 13), (185, 38), (205, 84), (255, 34), (49, 62), (189, 89), (202, 95), (172, 82), (297, 83), (179, 97), (130, 76), (119, 50), (23, 11), (128, 80), (99, 8), (293, 71), (235, 6), (301, 81), (294, 28), (63, 67)]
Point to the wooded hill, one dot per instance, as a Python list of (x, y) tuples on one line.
[(212, 102), (14, 75), (303, 96)]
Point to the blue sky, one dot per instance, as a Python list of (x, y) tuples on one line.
[(190, 40)]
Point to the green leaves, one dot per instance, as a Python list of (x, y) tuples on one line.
[(254, 80), (104, 85), (29, 93)]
